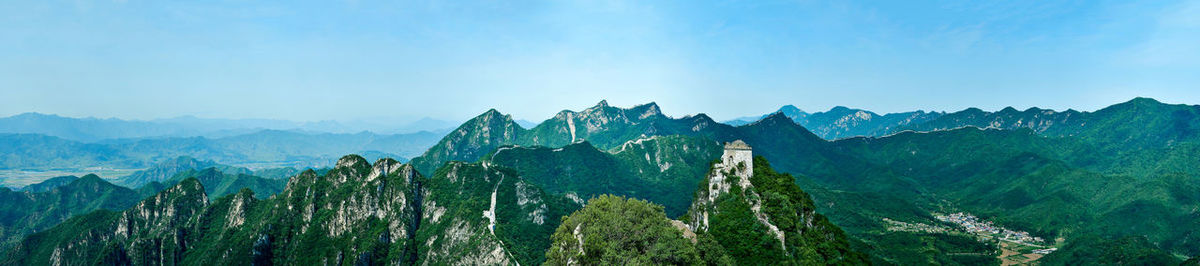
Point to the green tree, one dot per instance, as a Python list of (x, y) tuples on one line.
[(615, 230)]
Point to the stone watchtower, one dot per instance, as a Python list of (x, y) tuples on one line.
[(738, 152)]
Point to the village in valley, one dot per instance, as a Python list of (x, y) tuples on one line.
[(987, 230), (1016, 247)]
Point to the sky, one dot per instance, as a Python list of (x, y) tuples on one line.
[(343, 60)]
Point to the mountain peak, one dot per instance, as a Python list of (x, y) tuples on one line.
[(352, 160), (602, 103), (787, 109), (492, 112), (1143, 101), (647, 110), (491, 115), (776, 117)]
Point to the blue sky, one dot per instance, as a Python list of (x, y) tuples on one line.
[(321, 60)]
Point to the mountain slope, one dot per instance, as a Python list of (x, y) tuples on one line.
[(1139, 123), (662, 169), (602, 125), (385, 213), (842, 122), (517, 217), (22, 213), (760, 216), (218, 183), (150, 232)]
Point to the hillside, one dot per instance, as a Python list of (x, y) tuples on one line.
[(385, 213), (661, 169), (741, 215), (22, 213), (603, 126), (843, 122)]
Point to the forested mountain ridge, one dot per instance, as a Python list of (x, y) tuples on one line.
[(740, 215), (843, 122), (662, 169), (385, 213), (25, 212), (51, 202), (1102, 188), (602, 125)]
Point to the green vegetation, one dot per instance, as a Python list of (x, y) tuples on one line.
[(458, 193), (49, 203), (218, 183), (355, 213), (1095, 250), (664, 170), (1116, 186), (23, 213), (604, 126), (614, 230), (746, 234)]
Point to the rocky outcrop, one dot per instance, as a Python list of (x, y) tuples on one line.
[(480, 214), (731, 174), (760, 216), (153, 232), (384, 213)]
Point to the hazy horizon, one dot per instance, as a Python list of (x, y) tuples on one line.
[(413, 119), (360, 60)]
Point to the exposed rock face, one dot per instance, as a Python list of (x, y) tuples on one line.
[(735, 169), (602, 125), (153, 232), (743, 200), (515, 217), (471, 140)]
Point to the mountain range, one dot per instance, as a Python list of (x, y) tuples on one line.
[(1114, 186), (94, 129), (263, 149)]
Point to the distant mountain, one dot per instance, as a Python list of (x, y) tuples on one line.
[(278, 148), (385, 213), (49, 184), (791, 111), (82, 129), (1141, 122), (94, 129), (218, 183), (164, 170), (842, 122)]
